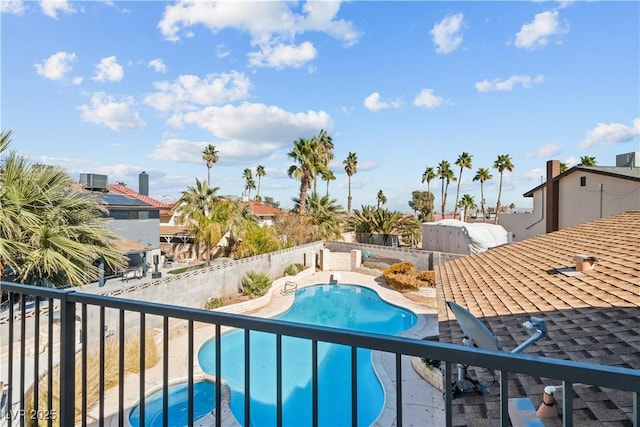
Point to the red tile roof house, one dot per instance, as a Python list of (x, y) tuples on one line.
[(592, 316)]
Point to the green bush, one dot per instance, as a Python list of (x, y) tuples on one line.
[(214, 302), (431, 363), (256, 284), (293, 269)]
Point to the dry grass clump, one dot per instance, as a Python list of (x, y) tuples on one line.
[(92, 392), (403, 277), (132, 352)]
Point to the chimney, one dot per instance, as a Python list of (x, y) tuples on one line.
[(143, 184), (584, 262), (553, 195)]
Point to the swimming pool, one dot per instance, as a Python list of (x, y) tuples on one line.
[(204, 398), (340, 306)]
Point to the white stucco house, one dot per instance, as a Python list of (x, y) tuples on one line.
[(578, 195)]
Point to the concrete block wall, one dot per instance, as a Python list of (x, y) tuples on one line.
[(194, 288), (423, 260)]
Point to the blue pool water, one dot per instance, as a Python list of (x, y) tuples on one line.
[(204, 398), (348, 307)]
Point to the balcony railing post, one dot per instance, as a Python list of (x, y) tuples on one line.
[(567, 404), (67, 359), (636, 409), (504, 398)]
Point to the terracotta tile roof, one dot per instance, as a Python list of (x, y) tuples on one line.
[(592, 317), (117, 188), (262, 209)]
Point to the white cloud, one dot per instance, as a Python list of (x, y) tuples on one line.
[(427, 99), (546, 150), (244, 132), (611, 134), (537, 33), (222, 51), (508, 84), (107, 111), (256, 123), (158, 65), (11, 6), (109, 70), (188, 91), (273, 26), (446, 33), (373, 103), (57, 66), (52, 7), (282, 56)]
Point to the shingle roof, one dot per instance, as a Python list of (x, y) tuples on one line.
[(592, 317)]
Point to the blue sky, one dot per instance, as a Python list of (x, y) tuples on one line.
[(118, 88)]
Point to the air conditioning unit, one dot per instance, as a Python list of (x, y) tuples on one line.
[(93, 181)]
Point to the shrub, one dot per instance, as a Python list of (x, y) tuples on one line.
[(402, 277), (293, 269), (214, 302), (402, 282), (404, 267), (428, 277), (431, 363), (256, 284)]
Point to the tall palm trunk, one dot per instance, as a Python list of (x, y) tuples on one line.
[(349, 197), (482, 201), (495, 221), (444, 199)]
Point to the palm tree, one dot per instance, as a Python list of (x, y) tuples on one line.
[(382, 199), (328, 175), (563, 167), (502, 163), (428, 176), (325, 217), (463, 161), (196, 210), (303, 155), (587, 161), (249, 183), (482, 175), (446, 175), (50, 233), (260, 172), (350, 167), (322, 154), (466, 203), (210, 156)]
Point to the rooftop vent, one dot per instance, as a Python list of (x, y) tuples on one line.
[(93, 181), (584, 262)]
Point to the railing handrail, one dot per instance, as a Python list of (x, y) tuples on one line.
[(560, 369)]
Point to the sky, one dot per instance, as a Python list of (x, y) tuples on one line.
[(121, 87)]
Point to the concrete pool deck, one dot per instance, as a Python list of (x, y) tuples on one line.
[(423, 404)]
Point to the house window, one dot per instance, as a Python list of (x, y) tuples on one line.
[(583, 181)]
